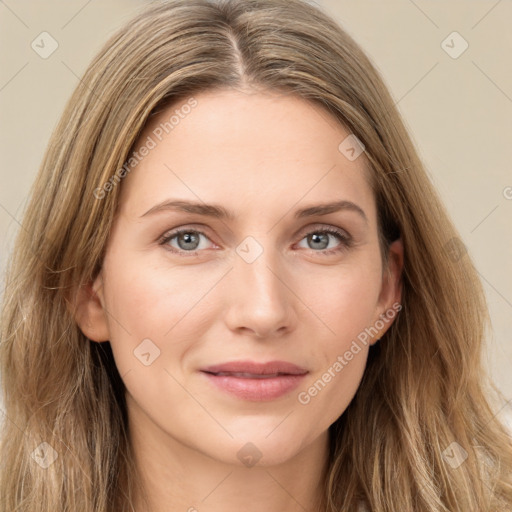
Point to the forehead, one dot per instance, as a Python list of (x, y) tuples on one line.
[(243, 149)]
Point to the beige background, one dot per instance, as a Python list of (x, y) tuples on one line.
[(459, 111)]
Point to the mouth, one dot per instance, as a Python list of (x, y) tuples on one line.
[(255, 382)]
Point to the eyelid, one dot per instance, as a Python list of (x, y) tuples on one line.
[(320, 227)]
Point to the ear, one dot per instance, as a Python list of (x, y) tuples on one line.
[(89, 311), (391, 289)]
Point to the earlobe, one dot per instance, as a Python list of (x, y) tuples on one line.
[(89, 312)]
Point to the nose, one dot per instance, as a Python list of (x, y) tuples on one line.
[(261, 298)]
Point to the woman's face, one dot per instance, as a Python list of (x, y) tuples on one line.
[(264, 283)]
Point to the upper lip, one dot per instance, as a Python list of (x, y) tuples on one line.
[(254, 368)]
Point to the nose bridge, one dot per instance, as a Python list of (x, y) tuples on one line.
[(260, 297), (257, 266)]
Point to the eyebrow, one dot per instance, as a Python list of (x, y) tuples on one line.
[(219, 212)]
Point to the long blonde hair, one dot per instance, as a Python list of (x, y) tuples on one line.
[(424, 392)]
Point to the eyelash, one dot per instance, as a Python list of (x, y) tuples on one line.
[(346, 241)]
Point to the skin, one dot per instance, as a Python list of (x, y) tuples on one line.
[(263, 156)]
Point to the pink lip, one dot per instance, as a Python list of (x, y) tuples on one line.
[(256, 386)]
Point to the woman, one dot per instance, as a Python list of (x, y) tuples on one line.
[(173, 336)]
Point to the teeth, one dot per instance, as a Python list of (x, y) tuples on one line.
[(248, 375)]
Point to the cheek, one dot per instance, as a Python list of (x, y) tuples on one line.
[(327, 394), (342, 353), (344, 298), (165, 305), (345, 302)]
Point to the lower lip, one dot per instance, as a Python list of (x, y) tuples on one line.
[(257, 390)]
